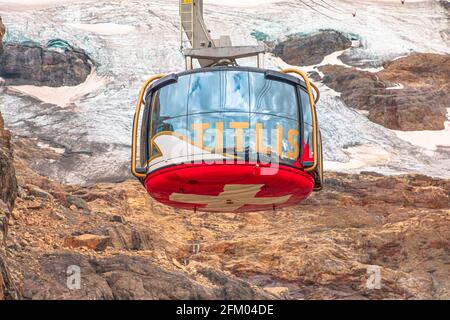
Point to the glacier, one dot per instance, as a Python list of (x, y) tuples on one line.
[(131, 40)]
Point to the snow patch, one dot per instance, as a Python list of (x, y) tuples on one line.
[(104, 28), (429, 140), (360, 157), (62, 96)]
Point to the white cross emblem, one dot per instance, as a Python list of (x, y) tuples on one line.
[(233, 197)]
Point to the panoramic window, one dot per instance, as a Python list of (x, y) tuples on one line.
[(236, 113), (273, 97)]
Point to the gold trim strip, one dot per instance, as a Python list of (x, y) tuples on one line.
[(135, 125), (312, 102)]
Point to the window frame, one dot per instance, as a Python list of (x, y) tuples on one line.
[(171, 79)]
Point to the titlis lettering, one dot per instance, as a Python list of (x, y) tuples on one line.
[(259, 134)]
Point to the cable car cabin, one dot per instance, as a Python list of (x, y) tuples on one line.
[(228, 139)]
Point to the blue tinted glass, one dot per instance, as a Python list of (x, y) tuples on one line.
[(173, 98), (226, 131), (236, 133), (308, 147), (272, 97), (274, 132), (219, 91), (237, 92), (176, 125), (202, 130), (306, 107), (206, 92)]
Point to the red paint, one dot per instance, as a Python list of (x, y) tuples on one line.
[(306, 155), (210, 179)]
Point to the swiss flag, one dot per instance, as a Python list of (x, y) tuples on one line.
[(229, 187)]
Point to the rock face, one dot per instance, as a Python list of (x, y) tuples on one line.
[(411, 93), (23, 64), (2, 33), (8, 183), (323, 248), (91, 241), (303, 50), (8, 193)]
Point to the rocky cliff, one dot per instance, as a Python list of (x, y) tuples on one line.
[(129, 247), (8, 194), (2, 34), (32, 64), (304, 50), (411, 93)]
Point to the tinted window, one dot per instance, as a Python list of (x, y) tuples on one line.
[(232, 112), (308, 145), (276, 135), (272, 97), (206, 92), (237, 96), (173, 98)]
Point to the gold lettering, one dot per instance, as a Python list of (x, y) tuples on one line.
[(294, 144), (239, 129), (279, 138), (219, 138), (200, 131), (260, 147)]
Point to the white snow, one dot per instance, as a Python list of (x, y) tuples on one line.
[(24, 5), (62, 96), (360, 157), (240, 3), (429, 140), (397, 86), (104, 28), (131, 40)]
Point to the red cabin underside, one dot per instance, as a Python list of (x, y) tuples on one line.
[(229, 187)]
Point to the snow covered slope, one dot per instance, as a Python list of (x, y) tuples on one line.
[(130, 40)]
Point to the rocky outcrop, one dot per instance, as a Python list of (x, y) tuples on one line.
[(8, 193), (90, 241), (29, 64), (445, 4), (322, 248), (125, 277), (2, 34), (303, 50), (411, 93), (8, 183)]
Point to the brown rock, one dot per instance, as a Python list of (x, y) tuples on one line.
[(78, 203), (8, 194), (4, 222), (8, 182), (117, 218), (91, 241), (2, 34), (303, 50), (131, 277), (124, 237), (31, 64), (38, 192), (320, 249), (8, 288), (420, 105)]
